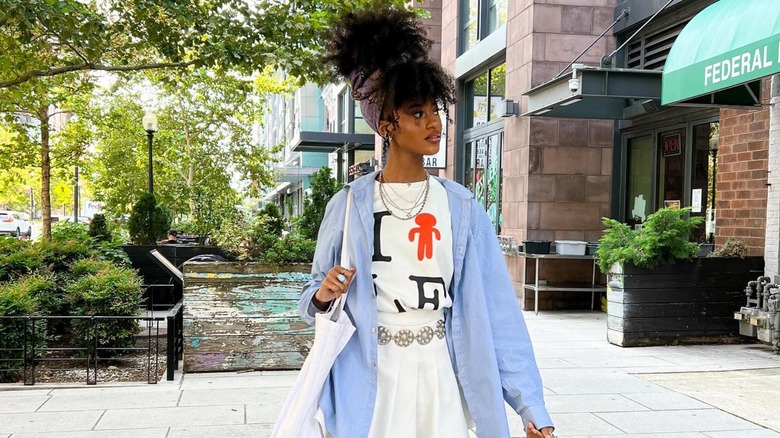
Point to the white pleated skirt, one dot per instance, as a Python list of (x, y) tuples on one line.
[(417, 392)]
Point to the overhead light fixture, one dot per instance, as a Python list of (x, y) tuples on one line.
[(544, 111)]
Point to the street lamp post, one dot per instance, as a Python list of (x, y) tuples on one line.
[(150, 126)]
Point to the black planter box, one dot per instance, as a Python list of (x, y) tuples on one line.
[(152, 273), (689, 302)]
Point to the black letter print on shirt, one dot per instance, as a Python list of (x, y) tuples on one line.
[(378, 257), (422, 299)]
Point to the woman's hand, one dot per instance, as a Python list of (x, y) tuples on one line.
[(532, 432), (336, 282)]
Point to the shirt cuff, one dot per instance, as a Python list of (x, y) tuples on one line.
[(538, 416), (312, 310)]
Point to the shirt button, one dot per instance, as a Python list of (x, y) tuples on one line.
[(373, 364), (373, 329)]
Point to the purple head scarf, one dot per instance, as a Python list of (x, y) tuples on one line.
[(363, 91)]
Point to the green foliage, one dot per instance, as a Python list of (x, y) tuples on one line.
[(111, 291), (18, 258), (99, 229), (41, 38), (148, 221), (58, 255), (291, 249), (323, 187), (66, 231), (16, 300), (273, 221), (260, 239), (44, 290), (731, 248), (663, 239)]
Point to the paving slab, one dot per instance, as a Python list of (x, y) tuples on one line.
[(566, 404), (750, 394), (171, 417), (240, 431), (267, 410), (49, 421), (127, 433), (22, 404), (668, 400), (567, 425), (595, 381), (702, 420), (63, 400), (20, 391), (266, 379), (761, 433), (229, 396), (650, 435)]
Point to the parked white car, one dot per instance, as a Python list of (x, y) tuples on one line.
[(15, 223)]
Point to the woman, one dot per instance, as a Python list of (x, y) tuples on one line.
[(440, 341)]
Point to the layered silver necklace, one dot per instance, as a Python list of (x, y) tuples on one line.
[(403, 213)]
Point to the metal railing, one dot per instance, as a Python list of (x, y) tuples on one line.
[(91, 355)]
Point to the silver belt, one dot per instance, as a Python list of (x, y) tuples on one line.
[(406, 337)]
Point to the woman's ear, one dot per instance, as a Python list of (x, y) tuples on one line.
[(384, 128)]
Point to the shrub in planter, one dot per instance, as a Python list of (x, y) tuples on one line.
[(98, 228), (149, 221), (731, 248), (16, 299), (111, 291), (663, 239)]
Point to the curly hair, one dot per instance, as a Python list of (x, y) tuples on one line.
[(389, 46)]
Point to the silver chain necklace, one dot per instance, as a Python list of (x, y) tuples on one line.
[(408, 212)]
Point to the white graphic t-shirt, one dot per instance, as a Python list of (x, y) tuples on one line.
[(412, 262)]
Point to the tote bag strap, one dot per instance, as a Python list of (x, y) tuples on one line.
[(344, 252)]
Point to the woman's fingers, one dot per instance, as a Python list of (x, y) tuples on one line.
[(532, 432), (336, 283)]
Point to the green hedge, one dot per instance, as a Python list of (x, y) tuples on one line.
[(110, 291), (18, 299)]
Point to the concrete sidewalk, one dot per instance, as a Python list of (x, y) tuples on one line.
[(593, 389)]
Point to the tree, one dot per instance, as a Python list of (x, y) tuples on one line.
[(205, 142), (148, 221), (323, 187), (28, 112), (50, 38)]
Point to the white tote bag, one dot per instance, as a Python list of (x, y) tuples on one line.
[(332, 331)]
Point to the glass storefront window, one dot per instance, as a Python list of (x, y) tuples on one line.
[(361, 127), (470, 34), (497, 14), (480, 18), (705, 165), (639, 179), (484, 95), (671, 169), (484, 173), (497, 87), (477, 91)]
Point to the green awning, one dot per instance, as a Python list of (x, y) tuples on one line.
[(721, 55)]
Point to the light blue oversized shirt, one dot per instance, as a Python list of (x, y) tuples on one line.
[(488, 341)]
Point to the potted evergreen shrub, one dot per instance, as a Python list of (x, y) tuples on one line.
[(659, 292)]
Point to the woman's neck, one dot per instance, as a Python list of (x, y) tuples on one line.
[(393, 174), (404, 168)]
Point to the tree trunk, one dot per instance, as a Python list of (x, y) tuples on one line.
[(43, 117)]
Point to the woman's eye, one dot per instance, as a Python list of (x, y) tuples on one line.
[(419, 114)]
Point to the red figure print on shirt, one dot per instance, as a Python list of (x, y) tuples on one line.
[(426, 232)]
